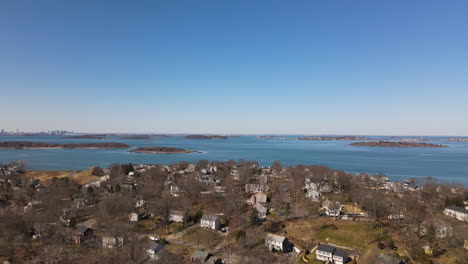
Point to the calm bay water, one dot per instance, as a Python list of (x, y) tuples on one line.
[(446, 164)]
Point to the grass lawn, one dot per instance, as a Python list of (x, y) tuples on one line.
[(204, 237), (350, 234), (145, 225), (173, 227), (179, 249)]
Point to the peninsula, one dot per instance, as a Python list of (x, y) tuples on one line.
[(397, 144), (162, 150), (336, 138), (44, 145), (206, 137)]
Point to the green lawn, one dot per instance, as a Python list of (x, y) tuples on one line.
[(351, 235)]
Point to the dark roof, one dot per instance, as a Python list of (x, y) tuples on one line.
[(458, 209), (82, 229), (326, 248), (153, 246), (340, 253)]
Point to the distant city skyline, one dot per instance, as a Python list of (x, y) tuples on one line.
[(240, 67)]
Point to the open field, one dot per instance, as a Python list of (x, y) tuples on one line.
[(348, 233), (179, 249), (45, 176), (204, 237), (82, 177)]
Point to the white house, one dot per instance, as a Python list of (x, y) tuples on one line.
[(177, 216), (332, 208), (309, 185), (459, 213), (259, 197), (313, 194), (261, 211), (255, 188), (334, 255), (325, 252), (112, 242), (133, 217), (278, 243), (210, 221)]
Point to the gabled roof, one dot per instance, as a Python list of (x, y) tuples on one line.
[(326, 248), (340, 253), (82, 229), (209, 217), (153, 246), (275, 238)]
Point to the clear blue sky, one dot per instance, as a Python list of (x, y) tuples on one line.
[(298, 67)]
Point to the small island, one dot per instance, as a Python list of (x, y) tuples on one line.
[(162, 150), (44, 145), (336, 138), (400, 144), (206, 137)]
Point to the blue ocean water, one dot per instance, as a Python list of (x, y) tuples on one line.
[(446, 164)]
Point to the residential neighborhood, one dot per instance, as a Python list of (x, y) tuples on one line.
[(230, 212)]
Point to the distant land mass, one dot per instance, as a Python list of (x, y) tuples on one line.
[(276, 137), (463, 139), (403, 139), (336, 138), (397, 144), (86, 137), (136, 137), (162, 150), (43, 145), (206, 137)]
